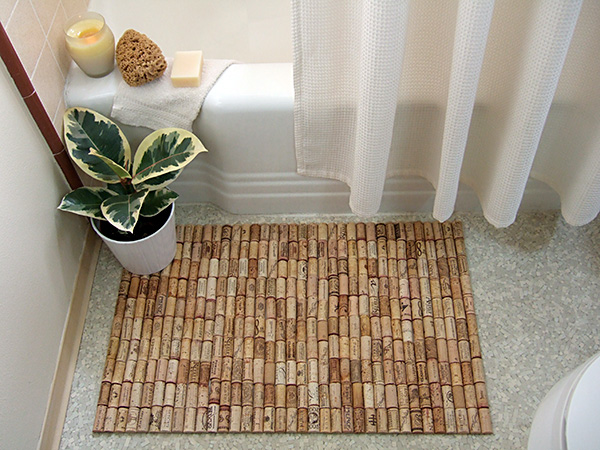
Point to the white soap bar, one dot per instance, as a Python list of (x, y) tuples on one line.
[(187, 69)]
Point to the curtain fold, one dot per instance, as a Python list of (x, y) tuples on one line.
[(472, 26), (379, 58), (484, 93), (346, 83), (545, 53)]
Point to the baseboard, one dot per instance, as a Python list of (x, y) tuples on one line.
[(69, 348), (290, 193)]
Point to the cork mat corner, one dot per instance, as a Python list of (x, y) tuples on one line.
[(320, 327)]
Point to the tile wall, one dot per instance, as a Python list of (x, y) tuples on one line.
[(35, 28)]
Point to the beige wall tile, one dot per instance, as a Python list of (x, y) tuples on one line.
[(56, 39), (73, 7), (58, 116), (6, 8), (49, 81), (45, 10), (26, 34)]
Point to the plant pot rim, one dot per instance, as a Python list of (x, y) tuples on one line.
[(97, 230)]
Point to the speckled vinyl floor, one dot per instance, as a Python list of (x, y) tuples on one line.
[(536, 288)]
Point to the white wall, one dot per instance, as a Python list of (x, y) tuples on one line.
[(40, 249), (249, 31)]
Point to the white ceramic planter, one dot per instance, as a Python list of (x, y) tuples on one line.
[(148, 255)]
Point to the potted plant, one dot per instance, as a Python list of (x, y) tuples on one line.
[(134, 212)]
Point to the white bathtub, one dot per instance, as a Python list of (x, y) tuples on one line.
[(246, 121)]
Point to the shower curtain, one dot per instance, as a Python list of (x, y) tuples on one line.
[(482, 92)]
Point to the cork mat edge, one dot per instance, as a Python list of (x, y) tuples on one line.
[(328, 327)]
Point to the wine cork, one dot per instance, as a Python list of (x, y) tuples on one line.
[(189, 424), (230, 419), (404, 420), (358, 417), (474, 422), (121, 424), (244, 419), (132, 418), (428, 421), (156, 413), (302, 420), (477, 366), (269, 420), (325, 419), (143, 421), (201, 419), (226, 419), (110, 419), (258, 419), (439, 424), (212, 418), (485, 420), (166, 423), (462, 421), (99, 419)]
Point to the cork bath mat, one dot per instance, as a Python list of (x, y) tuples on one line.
[(331, 328)]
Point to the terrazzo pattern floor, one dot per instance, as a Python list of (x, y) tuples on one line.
[(535, 286)]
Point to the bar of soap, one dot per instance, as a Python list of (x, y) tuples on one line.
[(187, 69)]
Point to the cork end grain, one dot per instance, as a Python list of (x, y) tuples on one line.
[(139, 59)]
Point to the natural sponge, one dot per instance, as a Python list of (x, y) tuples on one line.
[(139, 59)]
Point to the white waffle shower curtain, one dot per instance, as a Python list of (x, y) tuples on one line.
[(488, 93)]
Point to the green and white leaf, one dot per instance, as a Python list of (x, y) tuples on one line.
[(164, 151), (117, 169), (159, 182), (157, 201), (86, 201), (118, 188), (86, 132), (123, 211)]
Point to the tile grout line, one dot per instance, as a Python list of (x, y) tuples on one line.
[(59, 5), (45, 40), (12, 12)]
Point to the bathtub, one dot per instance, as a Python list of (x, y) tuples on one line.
[(246, 121)]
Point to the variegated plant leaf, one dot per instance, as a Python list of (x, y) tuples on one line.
[(160, 182), (121, 172), (119, 189), (87, 130), (123, 211), (164, 151), (156, 201), (86, 201)]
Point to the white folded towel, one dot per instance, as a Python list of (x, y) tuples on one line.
[(160, 105)]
